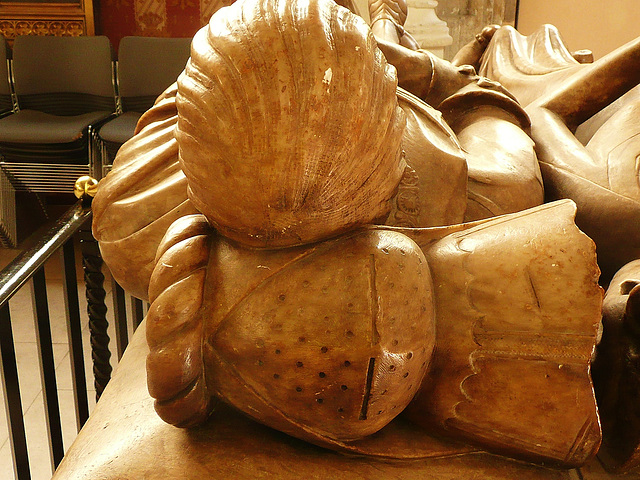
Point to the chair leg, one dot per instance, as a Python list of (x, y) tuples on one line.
[(94, 166), (8, 223), (104, 158), (98, 156)]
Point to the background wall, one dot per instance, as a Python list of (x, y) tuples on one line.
[(466, 18), (153, 18), (594, 24), (160, 18)]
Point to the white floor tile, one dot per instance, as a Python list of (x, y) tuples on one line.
[(38, 441), (67, 417), (6, 462), (21, 310), (4, 429), (29, 370)]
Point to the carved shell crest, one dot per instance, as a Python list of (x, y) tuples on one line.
[(289, 129)]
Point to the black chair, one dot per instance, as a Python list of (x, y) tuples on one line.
[(146, 67), (6, 99), (8, 228), (64, 88)]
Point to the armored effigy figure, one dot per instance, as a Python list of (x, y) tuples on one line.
[(296, 221), (584, 122), (615, 371), (484, 167), (584, 125)]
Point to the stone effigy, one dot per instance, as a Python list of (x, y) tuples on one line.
[(583, 123), (615, 371), (448, 178), (297, 224)]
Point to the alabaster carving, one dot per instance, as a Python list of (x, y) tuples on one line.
[(532, 314), (433, 188), (503, 171), (489, 125), (302, 175), (472, 52), (297, 222), (323, 342), (124, 439), (440, 179), (387, 18), (528, 66), (286, 338), (595, 165), (141, 197), (615, 370)]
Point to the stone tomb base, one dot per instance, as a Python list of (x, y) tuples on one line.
[(125, 439)]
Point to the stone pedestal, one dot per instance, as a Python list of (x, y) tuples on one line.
[(124, 439), (422, 22)]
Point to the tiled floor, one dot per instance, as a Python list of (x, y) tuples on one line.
[(29, 369)]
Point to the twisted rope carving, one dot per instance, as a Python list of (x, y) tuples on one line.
[(97, 311)]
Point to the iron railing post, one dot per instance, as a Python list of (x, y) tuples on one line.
[(97, 310), (13, 401), (74, 333), (47, 365)]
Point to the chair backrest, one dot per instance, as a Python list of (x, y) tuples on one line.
[(63, 75), (5, 87), (147, 66)]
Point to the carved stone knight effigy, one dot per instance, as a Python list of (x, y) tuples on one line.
[(583, 123), (297, 222)]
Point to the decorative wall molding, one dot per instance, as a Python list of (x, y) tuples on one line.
[(72, 18), (13, 27)]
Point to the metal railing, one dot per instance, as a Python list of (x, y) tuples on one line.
[(29, 267)]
